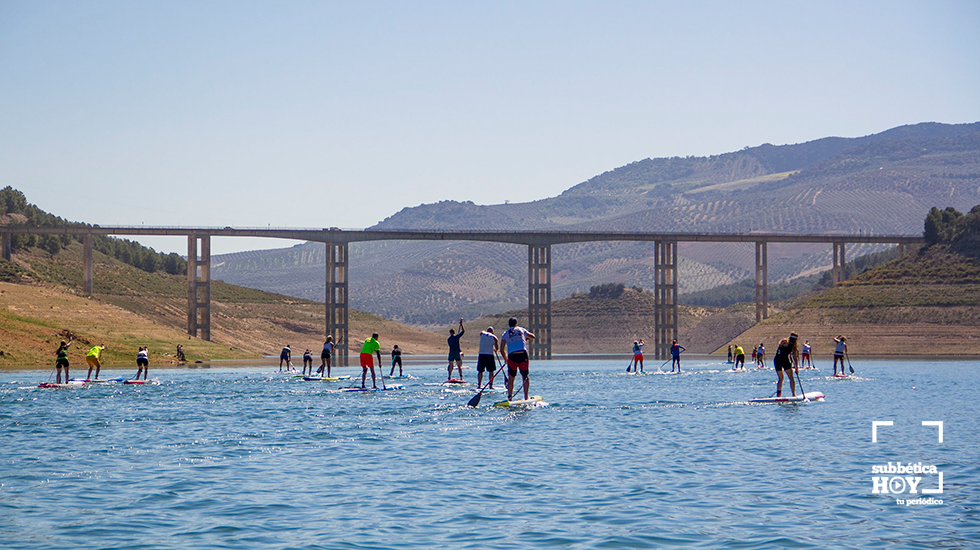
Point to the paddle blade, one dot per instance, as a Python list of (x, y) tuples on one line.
[(852, 369), (475, 400)]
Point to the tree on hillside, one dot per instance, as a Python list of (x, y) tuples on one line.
[(941, 226)]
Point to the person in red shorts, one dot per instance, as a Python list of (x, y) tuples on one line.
[(514, 340), (371, 345)]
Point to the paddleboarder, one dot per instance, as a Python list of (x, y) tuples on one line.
[(396, 359), (805, 360), (638, 355), (787, 358), (62, 360), (729, 353), (142, 363), (486, 360), (760, 356), (675, 356), (371, 346), (308, 360), (94, 362), (514, 340), (285, 356), (455, 354), (739, 358), (839, 353), (325, 357)]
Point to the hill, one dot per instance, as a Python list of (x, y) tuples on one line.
[(925, 303), (883, 183), (42, 301)]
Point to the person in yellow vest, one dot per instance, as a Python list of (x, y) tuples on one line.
[(739, 358), (93, 361), (371, 345)]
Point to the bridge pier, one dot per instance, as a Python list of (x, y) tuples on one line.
[(761, 281), (87, 263), (665, 297), (336, 301), (199, 286), (839, 275), (5, 245), (539, 300)]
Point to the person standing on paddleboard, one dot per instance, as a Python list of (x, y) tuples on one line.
[(142, 363), (371, 345), (455, 353), (324, 369), (805, 355), (786, 359), (760, 356), (62, 360), (514, 341), (739, 358), (95, 363), (285, 356), (638, 355), (486, 360), (308, 360), (839, 353), (396, 359), (729, 353), (675, 356)]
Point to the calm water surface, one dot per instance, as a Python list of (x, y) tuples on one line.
[(241, 457)]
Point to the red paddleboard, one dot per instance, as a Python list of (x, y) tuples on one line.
[(456, 381), (69, 384)]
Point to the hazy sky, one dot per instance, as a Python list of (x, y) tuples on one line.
[(320, 114)]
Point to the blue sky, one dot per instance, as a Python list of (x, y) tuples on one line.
[(320, 114)]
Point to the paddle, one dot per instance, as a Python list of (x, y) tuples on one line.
[(475, 400), (848, 362), (630, 365), (664, 364), (799, 382), (382, 373)]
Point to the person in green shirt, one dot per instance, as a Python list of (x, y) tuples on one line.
[(93, 361), (371, 345)]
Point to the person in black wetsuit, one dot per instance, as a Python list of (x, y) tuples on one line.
[(396, 359), (62, 360), (786, 359), (455, 354)]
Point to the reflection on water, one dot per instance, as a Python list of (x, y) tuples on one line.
[(239, 456)]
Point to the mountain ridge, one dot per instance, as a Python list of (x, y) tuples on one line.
[(879, 184)]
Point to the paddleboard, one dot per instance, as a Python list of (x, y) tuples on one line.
[(68, 384), (399, 377), (387, 388), (325, 379), (535, 399), (811, 395), (148, 381), (97, 380)]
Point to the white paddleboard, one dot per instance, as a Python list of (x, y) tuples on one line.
[(388, 388), (810, 395), (534, 399)]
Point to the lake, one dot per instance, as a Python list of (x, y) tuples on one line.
[(238, 456)]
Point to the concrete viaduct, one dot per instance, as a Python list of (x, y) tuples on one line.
[(538, 244)]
